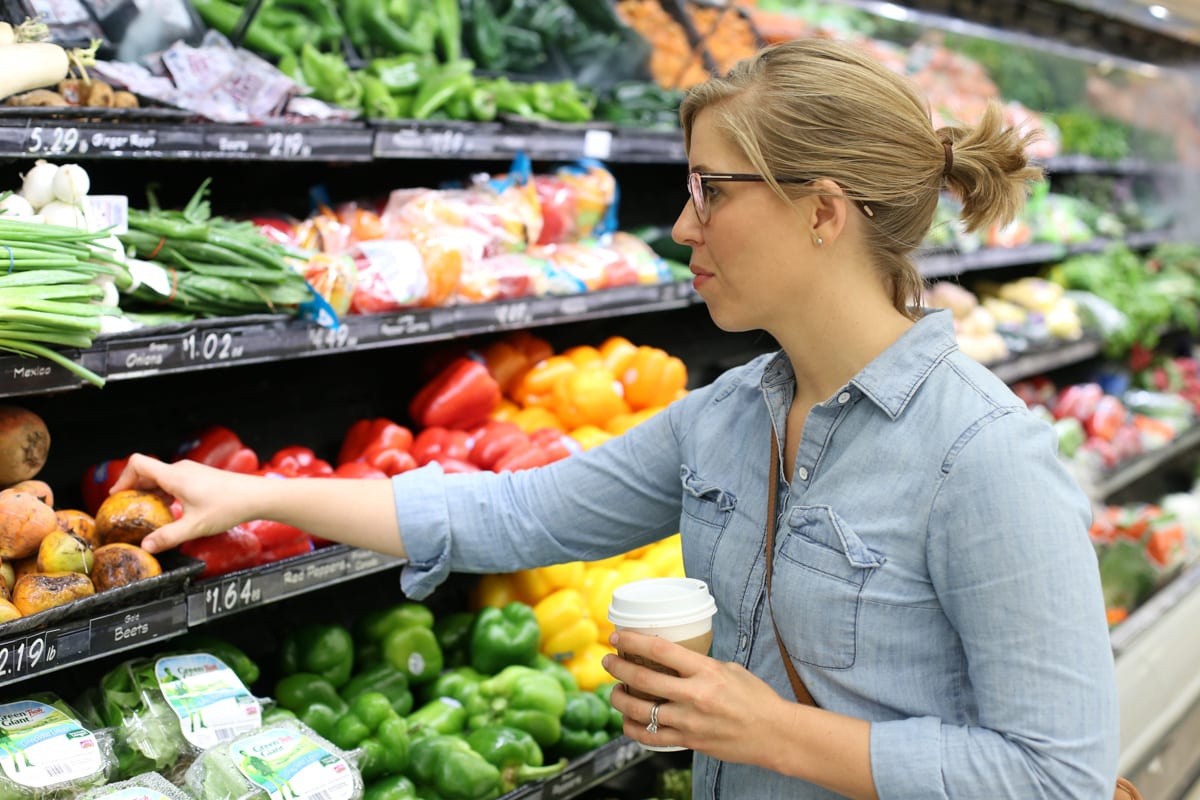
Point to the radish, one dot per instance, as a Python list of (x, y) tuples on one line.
[(32, 65)]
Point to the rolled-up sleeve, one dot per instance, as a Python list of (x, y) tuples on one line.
[(1017, 577)]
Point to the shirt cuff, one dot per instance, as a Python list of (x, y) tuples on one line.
[(424, 528), (906, 759)]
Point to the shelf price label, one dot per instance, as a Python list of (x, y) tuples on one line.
[(327, 339), (54, 140), (212, 346), (232, 595), (27, 655), (129, 628)]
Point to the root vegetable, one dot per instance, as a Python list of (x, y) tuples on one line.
[(73, 90), (78, 523), (33, 65), (39, 489), (99, 95), (24, 444), (131, 515), (24, 521), (41, 590), (123, 99), (38, 98), (119, 563)]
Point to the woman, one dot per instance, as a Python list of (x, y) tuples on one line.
[(933, 585)]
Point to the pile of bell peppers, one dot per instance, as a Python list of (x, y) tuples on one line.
[(462, 705)]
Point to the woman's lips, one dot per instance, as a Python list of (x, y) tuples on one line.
[(701, 278)]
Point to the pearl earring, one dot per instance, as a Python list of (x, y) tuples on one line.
[(820, 241)]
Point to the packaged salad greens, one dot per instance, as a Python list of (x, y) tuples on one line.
[(46, 753), (286, 760), (147, 786), (168, 710)]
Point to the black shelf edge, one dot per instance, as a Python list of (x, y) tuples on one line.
[(584, 772), (949, 263), (1031, 363), (1124, 475), (235, 341)]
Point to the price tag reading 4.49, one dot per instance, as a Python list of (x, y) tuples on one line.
[(25, 656), (231, 595)]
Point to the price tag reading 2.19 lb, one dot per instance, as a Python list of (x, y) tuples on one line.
[(19, 657)]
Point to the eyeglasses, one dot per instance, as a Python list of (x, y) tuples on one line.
[(696, 188)]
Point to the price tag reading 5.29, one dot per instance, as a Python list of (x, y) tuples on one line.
[(25, 656), (232, 595), (52, 141)]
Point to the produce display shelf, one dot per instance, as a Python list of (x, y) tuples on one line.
[(950, 263), (584, 772), (1036, 362), (233, 341), (1128, 473)]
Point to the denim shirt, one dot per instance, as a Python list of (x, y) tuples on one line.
[(932, 572)]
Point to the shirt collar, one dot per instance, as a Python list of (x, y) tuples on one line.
[(895, 375)]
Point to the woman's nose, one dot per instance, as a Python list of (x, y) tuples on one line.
[(687, 228)]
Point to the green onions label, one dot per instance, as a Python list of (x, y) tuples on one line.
[(42, 746), (288, 765), (212, 704)]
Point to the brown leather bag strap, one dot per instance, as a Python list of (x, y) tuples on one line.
[(1126, 791), (798, 687)]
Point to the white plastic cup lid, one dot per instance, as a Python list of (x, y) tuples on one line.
[(661, 602)]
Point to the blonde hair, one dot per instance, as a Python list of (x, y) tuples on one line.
[(817, 108)]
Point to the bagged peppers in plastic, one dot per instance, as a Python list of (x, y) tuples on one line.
[(47, 753), (287, 759), (168, 710), (147, 786)]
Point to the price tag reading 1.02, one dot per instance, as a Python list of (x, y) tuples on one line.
[(212, 346), (24, 656), (232, 595)]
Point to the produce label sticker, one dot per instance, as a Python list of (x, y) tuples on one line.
[(288, 765), (134, 793), (41, 746), (212, 704)]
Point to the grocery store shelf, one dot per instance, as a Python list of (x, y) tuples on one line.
[(233, 341), (1036, 362), (945, 264), (586, 771), (1135, 469)]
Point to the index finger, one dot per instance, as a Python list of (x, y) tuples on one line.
[(677, 657), (140, 472)]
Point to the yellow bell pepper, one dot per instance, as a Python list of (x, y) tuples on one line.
[(565, 625), (634, 569), (652, 378), (598, 584), (586, 666), (588, 396), (505, 410), (618, 353), (531, 585), (584, 355), (589, 436), (533, 418), (623, 422), (495, 591), (564, 576), (666, 558), (536, 387)]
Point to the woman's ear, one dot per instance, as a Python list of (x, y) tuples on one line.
[(829, 210)]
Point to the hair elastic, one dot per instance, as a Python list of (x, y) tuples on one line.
[(949, 158), (12, 262)]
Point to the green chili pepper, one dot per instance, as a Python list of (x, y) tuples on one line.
[(382, 678), (483, 104), (515, 753), (449, 31), (322, 649), (442, 715), (383, 30), (438, 86), (504, 636), (521, 697), (483, 34), (377, 100), (400, 74), (453, 769), (225, 16)]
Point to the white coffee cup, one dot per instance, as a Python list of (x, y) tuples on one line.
[(677, 609)]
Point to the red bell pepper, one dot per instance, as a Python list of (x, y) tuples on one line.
[(277, 540), (97, 480), (359, 470), (557, 444), (461, 396), (215, 446), (1106, 419), (287, 550), (494, 440), (438, 442), (236, 548), (392, 461), (298, 461), (363, 433)]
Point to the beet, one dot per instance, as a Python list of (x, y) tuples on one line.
[(24, 444)]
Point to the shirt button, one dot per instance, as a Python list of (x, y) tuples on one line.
[(743, 642), (844, 397), (804, 473)]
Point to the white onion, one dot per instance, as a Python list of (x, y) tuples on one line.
[(112, 297), (38, 184), (71, 184), (14, 205), (64, 214)]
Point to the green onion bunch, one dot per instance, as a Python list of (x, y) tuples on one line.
[(215, 267)]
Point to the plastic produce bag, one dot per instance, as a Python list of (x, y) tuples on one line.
[(46, 753), (168, 710), (287, 758), (147, 786)]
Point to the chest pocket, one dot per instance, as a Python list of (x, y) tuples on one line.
[(816, 591), (707, 509)]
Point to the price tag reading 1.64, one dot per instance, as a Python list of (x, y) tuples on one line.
[(24, 656), (231, 595), (211, 346)]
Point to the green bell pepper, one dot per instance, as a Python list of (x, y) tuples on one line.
[(370, 724), (440, 716), (515, 753), (449, 766), (276, 713), (555, 669), (415, 652), (382, 678), (376, 625), (393, 787), (313, 699), (521, 697), (460, 683), (453, 633), (584, 724), (616, 720), (320, 648), (504, 636)]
